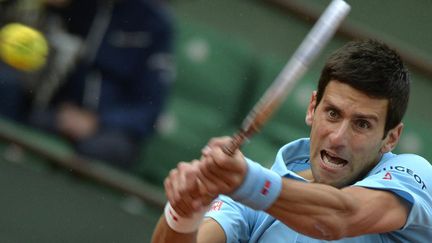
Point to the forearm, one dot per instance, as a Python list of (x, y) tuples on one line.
[(180, 221), (317, 210), (163, 233)]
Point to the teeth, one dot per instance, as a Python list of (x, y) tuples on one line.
[(333, 163)]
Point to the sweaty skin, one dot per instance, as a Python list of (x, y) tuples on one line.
[(347, 129)]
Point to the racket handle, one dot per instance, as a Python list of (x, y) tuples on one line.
[(236, 141)]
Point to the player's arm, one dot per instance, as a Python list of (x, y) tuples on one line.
[(325, 212), (209, 231), (317, 210), (163, 233), (182, 220)]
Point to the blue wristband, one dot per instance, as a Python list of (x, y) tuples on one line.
[(260, 188)]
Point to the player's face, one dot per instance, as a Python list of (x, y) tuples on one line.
[(347, 130)]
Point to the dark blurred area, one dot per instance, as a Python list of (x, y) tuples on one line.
[(139, 85), (82, 85), (106, 79)]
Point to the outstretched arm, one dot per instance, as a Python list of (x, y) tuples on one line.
[(325, 212), (317, 210)]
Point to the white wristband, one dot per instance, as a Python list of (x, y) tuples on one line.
[(182, 224)]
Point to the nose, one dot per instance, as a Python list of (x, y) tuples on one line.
[(339, 135)]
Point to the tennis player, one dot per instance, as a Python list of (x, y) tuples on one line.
[(342, 184)]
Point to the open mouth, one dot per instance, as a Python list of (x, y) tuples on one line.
[(332, 161)]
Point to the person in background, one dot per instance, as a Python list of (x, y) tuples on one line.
[(110, 96)]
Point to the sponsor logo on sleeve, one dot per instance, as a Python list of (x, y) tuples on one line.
[(416, 177), (387, 176), (216, 205)]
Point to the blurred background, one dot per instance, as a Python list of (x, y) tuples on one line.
[(101, 98)]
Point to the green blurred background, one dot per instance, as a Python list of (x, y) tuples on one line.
[(227, 52)]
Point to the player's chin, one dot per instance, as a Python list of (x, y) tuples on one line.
[(330, 179)]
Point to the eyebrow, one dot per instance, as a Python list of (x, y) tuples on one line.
[(366, 116)]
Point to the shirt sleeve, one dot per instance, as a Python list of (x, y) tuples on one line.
[(233, 217), (409, 177)]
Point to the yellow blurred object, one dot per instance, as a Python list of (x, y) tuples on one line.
[(23, 47)]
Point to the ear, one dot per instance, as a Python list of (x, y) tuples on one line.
[(311, 109), (392, 138)]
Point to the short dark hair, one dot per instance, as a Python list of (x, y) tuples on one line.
[(373, 68)]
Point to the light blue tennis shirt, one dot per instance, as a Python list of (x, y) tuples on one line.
[(407, 175)]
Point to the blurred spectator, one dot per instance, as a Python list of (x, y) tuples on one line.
[(115, 86)]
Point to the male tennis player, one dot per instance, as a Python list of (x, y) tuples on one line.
[(342, 184)]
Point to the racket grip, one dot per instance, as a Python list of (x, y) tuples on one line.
[(236, 142)]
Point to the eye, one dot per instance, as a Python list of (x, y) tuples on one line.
[(332, 114), (363, 124)]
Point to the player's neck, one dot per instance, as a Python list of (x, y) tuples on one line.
[(307, 175)]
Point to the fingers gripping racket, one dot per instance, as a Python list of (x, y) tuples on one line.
[(307, 52)]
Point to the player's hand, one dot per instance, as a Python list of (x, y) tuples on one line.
[(219, 172), (184, 190)]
